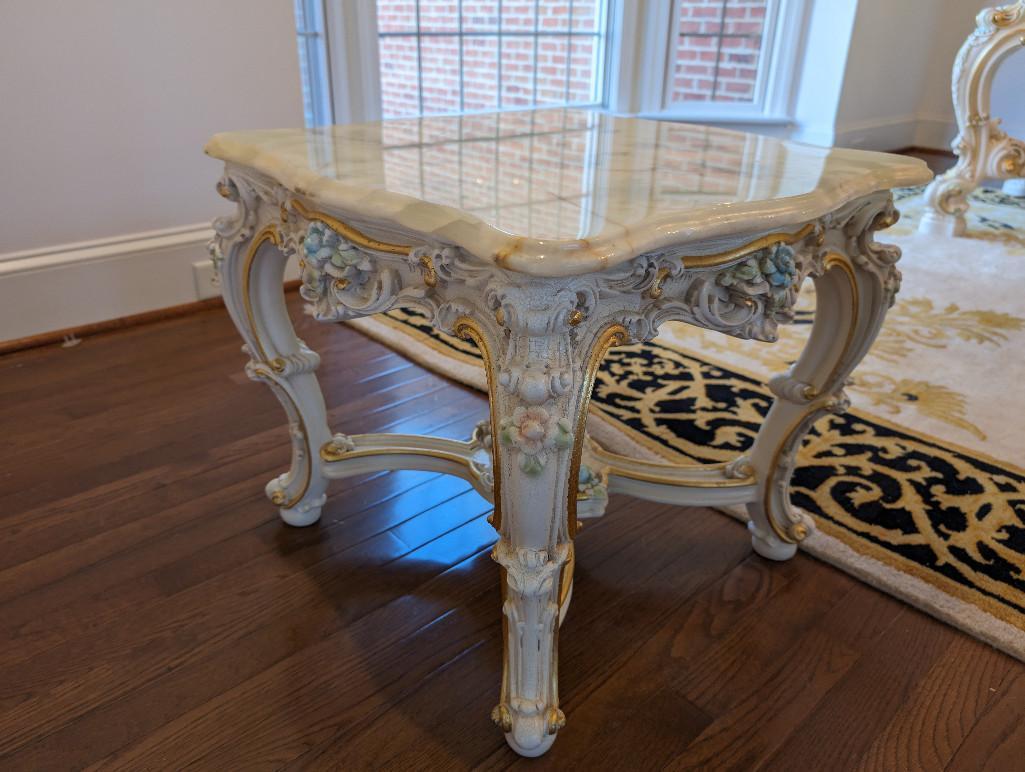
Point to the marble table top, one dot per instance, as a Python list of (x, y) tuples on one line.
[(558, 192)]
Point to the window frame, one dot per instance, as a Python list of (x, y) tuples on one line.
[(599, 86), (642, 85), (312, 44), (637, 67), (351, 33)]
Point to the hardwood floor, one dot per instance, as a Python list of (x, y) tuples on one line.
[(155, 614)]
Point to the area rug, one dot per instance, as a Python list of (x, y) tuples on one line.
[(919, 490)]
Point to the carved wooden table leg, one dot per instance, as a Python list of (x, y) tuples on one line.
[(541, 356), (252, 269), (856, 280)]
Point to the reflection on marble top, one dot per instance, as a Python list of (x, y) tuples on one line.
[(555, 192)]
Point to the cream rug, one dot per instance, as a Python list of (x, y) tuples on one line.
[(920, 489)]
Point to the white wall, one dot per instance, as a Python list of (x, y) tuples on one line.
[(896, 88), (106, 107), (820, 72), (887, 64), (1009, 93)]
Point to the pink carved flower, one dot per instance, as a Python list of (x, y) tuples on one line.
[(534, 432)]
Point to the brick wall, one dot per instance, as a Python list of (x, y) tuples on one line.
[(718, 43), (498, 71)]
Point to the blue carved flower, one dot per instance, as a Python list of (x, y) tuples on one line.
[(778, 266), (741, 273), (328, 251)]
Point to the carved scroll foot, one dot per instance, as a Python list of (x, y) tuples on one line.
[(936, 223), (529, 711), (946, 201), (767, 544)]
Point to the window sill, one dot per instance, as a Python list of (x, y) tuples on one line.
[(722, 119)]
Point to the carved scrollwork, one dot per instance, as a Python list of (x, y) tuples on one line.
[(340, 279), (239, 226), (530, 709), (535, 434), (747, 296), (859, 223)]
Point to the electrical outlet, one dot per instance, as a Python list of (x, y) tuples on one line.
[(208, 283)]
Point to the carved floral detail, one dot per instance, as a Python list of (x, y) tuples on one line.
[(327, 252), (340, 279), (535, 433), (772, 272), (591, 484)]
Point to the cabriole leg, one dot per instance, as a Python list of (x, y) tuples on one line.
[(855, 284), (540, 385), (252, 273)]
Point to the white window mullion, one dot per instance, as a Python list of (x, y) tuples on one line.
[(633, 61), (313, 62), (351, 28)]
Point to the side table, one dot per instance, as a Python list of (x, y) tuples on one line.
[(546, 237)]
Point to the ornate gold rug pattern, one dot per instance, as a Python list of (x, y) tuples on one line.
[(917, 489)]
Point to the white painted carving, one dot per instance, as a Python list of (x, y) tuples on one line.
[(542, 334), (983, 148)]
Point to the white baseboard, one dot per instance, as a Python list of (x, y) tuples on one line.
[(70, 285), (878, 134), (893, 133), (935, 131)]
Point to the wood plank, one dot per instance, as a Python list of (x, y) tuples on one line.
[(623, 536), (154, 612), (966, 681), (870, 696), (996, 742)]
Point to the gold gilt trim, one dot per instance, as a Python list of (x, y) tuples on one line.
[(330, 452), (613, 335), (468, 329), (566, 577), (831, 261), (769, 240), (278, 497), (348, 232), (661, 479), (430, 275), (655, 291), (1005, 17), (269, 233), (797, 532), (277, 365), (654, 476)]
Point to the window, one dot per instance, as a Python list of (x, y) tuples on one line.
[(447, 56), (313, 69), (730, 59), (717, 50), (703, 60)]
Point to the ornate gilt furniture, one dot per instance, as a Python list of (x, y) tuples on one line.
[(546, 237), (983, 148)]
